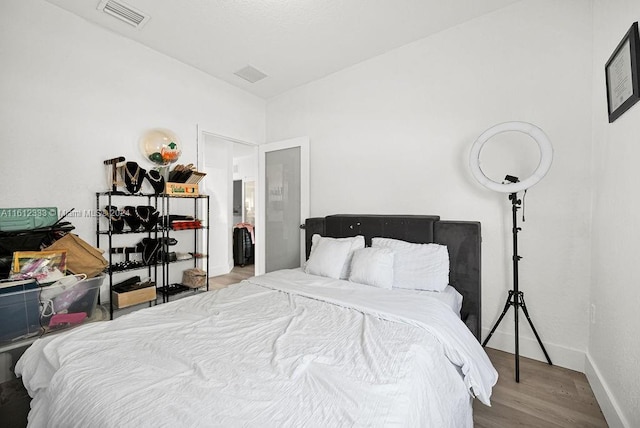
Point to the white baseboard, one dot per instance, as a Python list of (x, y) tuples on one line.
[(219, 270), (608, 405), (567, 358), (530, 348)]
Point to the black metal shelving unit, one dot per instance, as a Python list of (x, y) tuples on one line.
[(169, 289), (161, 203)]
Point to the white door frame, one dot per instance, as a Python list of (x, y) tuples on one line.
[(303, 144), (200, 166)]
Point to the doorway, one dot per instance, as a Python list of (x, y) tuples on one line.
[(275, 198), (231, 171), (245, 167)]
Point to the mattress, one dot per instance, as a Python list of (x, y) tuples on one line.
[(282, 349), (449, 296)]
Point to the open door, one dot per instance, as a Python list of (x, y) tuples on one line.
[(215, 157), (282, 205)]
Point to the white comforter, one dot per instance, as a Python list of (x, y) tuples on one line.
[(284, 349)]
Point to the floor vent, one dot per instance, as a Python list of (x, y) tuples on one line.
[(124, 12)]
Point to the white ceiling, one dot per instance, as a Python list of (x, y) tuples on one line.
[(292, 41)]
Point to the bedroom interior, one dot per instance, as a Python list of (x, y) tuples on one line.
[(390, 133)]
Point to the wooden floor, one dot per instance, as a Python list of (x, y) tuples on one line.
[(546, 396), (237, 274)]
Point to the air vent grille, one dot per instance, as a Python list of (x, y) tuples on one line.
[(124, 12), (250, 74)]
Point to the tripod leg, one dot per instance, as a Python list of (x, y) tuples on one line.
[(516, 304), (526, 314), (504, 311)]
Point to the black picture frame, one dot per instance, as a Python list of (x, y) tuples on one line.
[(622, 75)]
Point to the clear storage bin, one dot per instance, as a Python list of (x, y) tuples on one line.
[(28, 309)]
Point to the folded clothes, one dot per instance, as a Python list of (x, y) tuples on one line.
[(67, 319), (165, 221), (183, 256), (120, 288), (124, 285), (186, 224)]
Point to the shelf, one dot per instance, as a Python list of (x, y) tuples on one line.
[(185, 197), (151, 195), (173, 289), (109, 271), (158, 230), (191, 228), (148, 195), (190, 259), (129, 232), (160, 270)]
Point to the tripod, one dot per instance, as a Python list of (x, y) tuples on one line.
[(516, 297)]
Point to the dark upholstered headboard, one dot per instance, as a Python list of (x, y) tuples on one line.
[(462, 239)]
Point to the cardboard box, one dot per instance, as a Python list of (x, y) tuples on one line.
[(181, 189), (134, 297)]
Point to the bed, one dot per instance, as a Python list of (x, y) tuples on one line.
[(289, 348)]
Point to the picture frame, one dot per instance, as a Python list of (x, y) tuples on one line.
[(622, 75)]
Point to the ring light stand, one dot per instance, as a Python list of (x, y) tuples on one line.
[(515, 298)]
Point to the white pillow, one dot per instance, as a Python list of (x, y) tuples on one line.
[(417, 266), (328, 257), (356, 243), (372, 266)]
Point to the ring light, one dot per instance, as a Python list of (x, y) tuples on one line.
[(544, 145), (515, 298)]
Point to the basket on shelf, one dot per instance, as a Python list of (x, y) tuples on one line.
[(194, 278)]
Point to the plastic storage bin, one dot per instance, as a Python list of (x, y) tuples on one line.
[(28, 309)]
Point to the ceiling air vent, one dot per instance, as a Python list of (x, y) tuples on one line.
[(124, 12), (250, 74)]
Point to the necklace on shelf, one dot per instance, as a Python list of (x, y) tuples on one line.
[(144, 219), (133, 177), (156, 180), (112, 212), (151, 177), (130, 217), (114, 216)]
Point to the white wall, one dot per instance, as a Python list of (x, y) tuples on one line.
[(74, 95), (218, 165), (392, 135), (247, 167), (614, 344)]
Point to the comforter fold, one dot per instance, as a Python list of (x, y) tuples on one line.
[(460, 345)]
